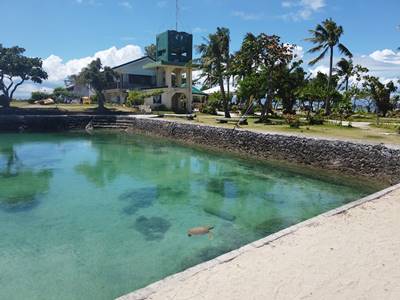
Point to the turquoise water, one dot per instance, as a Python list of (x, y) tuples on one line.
[(95, 217)]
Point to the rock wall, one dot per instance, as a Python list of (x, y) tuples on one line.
[(374, 161), (377, 162)]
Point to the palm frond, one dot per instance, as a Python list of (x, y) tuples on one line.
[(321, 56), (316, 49), (343, 50), (321, 29)]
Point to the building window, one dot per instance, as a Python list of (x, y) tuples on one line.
[(157, 99), (141, 80)]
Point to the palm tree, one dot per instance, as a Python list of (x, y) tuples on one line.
[(345, 69), (326, 37), (214, 61)]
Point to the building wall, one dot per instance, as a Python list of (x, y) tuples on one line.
[(137, 68), (82, 91), (167, 96)]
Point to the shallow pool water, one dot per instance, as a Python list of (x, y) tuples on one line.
[(95, 217)]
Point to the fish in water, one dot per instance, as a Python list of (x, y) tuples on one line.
[(201, 230)]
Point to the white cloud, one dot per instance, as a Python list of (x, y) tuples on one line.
[(319, 69), (125, 4), (58, 70), (380, 63), (386, 56), (298, 51), (247, 16), (302, 9)]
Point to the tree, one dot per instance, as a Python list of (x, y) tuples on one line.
[(262, 58), (315, 89), (380, 93), (214, 61), (326, 37), (38, 95), (346, 70), (246, 61), (98, 78), (61, 94), (151, 51), (292, 80), (15, 69)]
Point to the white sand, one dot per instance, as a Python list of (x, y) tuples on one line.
[(353, 255)]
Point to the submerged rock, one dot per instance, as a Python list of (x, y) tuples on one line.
[(21, 190), (223, 187), (153, 228), (271, 226), (220, 214), (204, 254), (18, 204), (138, 198)]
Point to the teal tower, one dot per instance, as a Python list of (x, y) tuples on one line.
[(175, 48)]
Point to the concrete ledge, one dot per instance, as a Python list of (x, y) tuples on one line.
[(146, 292)]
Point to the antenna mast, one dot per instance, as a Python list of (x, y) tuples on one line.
[(177, 15)]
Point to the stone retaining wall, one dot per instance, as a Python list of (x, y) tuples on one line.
[(43, 123), (373, 161)]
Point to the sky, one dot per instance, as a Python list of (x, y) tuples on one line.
[(68, 34)]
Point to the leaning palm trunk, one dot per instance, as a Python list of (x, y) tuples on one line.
[(228, 89)]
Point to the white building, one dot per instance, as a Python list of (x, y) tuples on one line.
[(170, 73)]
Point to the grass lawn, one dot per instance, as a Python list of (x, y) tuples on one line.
[(73, 108), (373, 134)]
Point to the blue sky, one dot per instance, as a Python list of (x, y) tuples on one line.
[(68, 33)]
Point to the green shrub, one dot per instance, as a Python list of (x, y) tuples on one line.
[(292, 120), (94, 98), (234, 108), (316, 120), (135, 98), (35, 96), (210, 107)]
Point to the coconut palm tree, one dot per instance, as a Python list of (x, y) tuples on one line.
[(214, 61), (326, 37), (345, 70)]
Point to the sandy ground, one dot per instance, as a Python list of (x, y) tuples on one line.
[(352, 255)]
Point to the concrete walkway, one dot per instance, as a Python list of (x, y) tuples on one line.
[(350, 253)]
